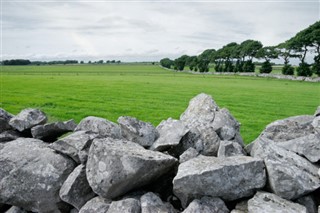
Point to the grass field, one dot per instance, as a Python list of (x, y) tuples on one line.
[(150, 93)]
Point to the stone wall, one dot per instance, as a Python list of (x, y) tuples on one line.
[(198, 163)]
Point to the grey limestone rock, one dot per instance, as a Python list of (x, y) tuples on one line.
[(241, 207), (27, 119), (151, 203), (207, 205), (115, 167), (264, 202), (96, 205), (4, 120), (31, 175), (171, 131), (317, 112), (99, 125), (127, 205), (50, 132), (228, 149), (138, 131), (75, 145), (9, 135), (15, 209), (309, 202), (201, 109), (211, 176), (76, 190), (290, 176), (188, 154)]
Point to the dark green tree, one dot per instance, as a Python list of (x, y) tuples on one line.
[(166, 62), (267, 53)]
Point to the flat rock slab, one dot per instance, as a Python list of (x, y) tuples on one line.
[(27, 119), (171, 131), (115, 167), (76, 190), (228, 178), (75, 145), (138, 131), (207, 205), (264, 202), (31, 175), (99, 125), (4, 120), (50, 132), (290, 176), (96, 205)]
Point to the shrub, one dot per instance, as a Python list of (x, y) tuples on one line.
[(248, 66), (304, 70), (266, 67), (287, 70), (316, 65)]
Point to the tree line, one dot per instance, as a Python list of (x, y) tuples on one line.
[(65, 62), (234, 57)]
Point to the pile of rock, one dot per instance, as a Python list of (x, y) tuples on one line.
[(195, 164)]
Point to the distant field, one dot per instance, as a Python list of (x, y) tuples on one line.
[(150, 93)]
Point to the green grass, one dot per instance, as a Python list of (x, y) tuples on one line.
[(150, 94)]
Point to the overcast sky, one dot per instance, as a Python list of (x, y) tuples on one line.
[(144, 30)]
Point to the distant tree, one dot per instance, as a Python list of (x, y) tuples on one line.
[(89, 62), (113, 61), (118, 62), (192, 62), (180, 62), (247, 51), (81, 62), (203, 65), (166, 62), (16, 62), (285, 52), (100, 62), (267, 53)]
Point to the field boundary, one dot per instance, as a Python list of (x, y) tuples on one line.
[(264, 75)]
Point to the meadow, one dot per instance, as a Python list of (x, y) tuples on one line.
[(150, 93)]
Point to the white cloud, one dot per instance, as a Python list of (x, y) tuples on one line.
[(144, 30)]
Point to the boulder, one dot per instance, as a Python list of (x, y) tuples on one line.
[(75, 145), (50, 132), (31, 175), (228, 149), (207, 205), (15, 209), (115, 167), (201, 110), (4, 120), (171, 131), (316, 124), (99, 125), (127, 205), (309, 202), (76, 190), (264, 202), (290, 176), (138, 131), (27, 119), (289, 128), (317, 112), (188, 154), (9, 135), (96, 205), (219, 177), (151, 203)]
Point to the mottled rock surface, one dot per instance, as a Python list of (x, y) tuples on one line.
[(171, 131), (99, 125), (27, 119), (4, 120), (211, 176), (96, 205), (15, 209), (75, 145), (151, 203), (31, 175), (289, 175), (264, 202), (207, 205), (128, 205), (228, 149), (115, 167), (188, 154), (138, 131), (76, 190), (9, 135), (50, 132)]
